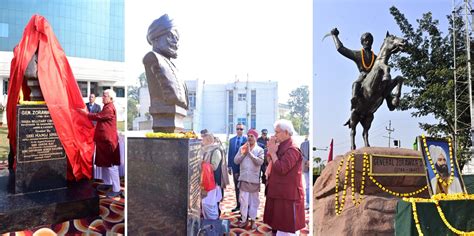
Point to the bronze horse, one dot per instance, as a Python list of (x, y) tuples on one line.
[(375, 88)]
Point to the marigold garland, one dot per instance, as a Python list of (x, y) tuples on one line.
[(451, 177), (435, 199), (351, 168), (396, 193), (371, 61), (415, 217), (32, 102), (187, 135), (341, 206), (365, 167)]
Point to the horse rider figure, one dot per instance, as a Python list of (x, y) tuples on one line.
[(364, 59)]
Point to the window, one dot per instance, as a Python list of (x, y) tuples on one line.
[(231, 112), (5, 87), (242, 97), (3, 30), (253, 121), (192, 100), (253, 109), (83, 87), (94, 89), (242, 121), (102, 89), (120, 92)]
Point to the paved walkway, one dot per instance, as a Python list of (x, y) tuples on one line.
[(110, 221), (262, 229)]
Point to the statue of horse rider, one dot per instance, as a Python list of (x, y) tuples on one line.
[(364, 59)]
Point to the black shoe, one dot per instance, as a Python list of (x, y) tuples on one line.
[(236, 209), (104, 187), (113, 194)]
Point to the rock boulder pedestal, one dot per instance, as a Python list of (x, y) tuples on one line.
[(396, 169)]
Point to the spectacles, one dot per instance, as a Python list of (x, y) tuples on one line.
[(239, 129)]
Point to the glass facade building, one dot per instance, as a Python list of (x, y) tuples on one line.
[(92, 29)]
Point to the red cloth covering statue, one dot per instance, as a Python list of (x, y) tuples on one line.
[(60, 91)]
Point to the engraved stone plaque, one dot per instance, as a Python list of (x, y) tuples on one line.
[(37, 139), (41, 159), (385, 165)]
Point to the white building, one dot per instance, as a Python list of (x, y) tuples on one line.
[(219, 107)]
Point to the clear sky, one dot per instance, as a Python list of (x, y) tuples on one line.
[(219, 40), (334, 74)]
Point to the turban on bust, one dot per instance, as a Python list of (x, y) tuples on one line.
[(159, 27)]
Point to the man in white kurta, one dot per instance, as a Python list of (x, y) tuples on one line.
[(250, 158)]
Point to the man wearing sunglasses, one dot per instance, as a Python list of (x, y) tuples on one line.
[(234, 144)]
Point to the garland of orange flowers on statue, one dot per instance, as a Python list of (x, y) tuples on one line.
[(365, 167), (351, 168), (396, 193), (435, 199), (371, 61), (451, 177), (186, 135), (32, 102), (339, 208)]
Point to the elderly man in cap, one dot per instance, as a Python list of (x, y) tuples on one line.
[(168, 93), (250, 158)]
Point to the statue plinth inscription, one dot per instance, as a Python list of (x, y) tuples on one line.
[(37, 137), (41, 160), (384, 165)]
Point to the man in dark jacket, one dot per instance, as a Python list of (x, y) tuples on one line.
[(262, 142), (234, 144), (92, 107)]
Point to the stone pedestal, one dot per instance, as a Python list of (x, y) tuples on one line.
[(38, 193), (163, 182), (168, 118), (28, 210), (399, 170)]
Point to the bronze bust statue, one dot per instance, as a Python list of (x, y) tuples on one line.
[(168, 94)]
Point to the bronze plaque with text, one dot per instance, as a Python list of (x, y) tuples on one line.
[(381, 165)]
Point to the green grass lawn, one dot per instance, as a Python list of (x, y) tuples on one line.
[(3, 143)]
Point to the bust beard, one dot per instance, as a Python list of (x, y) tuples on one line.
[(165, 48)]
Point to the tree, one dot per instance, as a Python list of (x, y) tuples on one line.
[(133, 100), (427, 68), (299, 113)]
